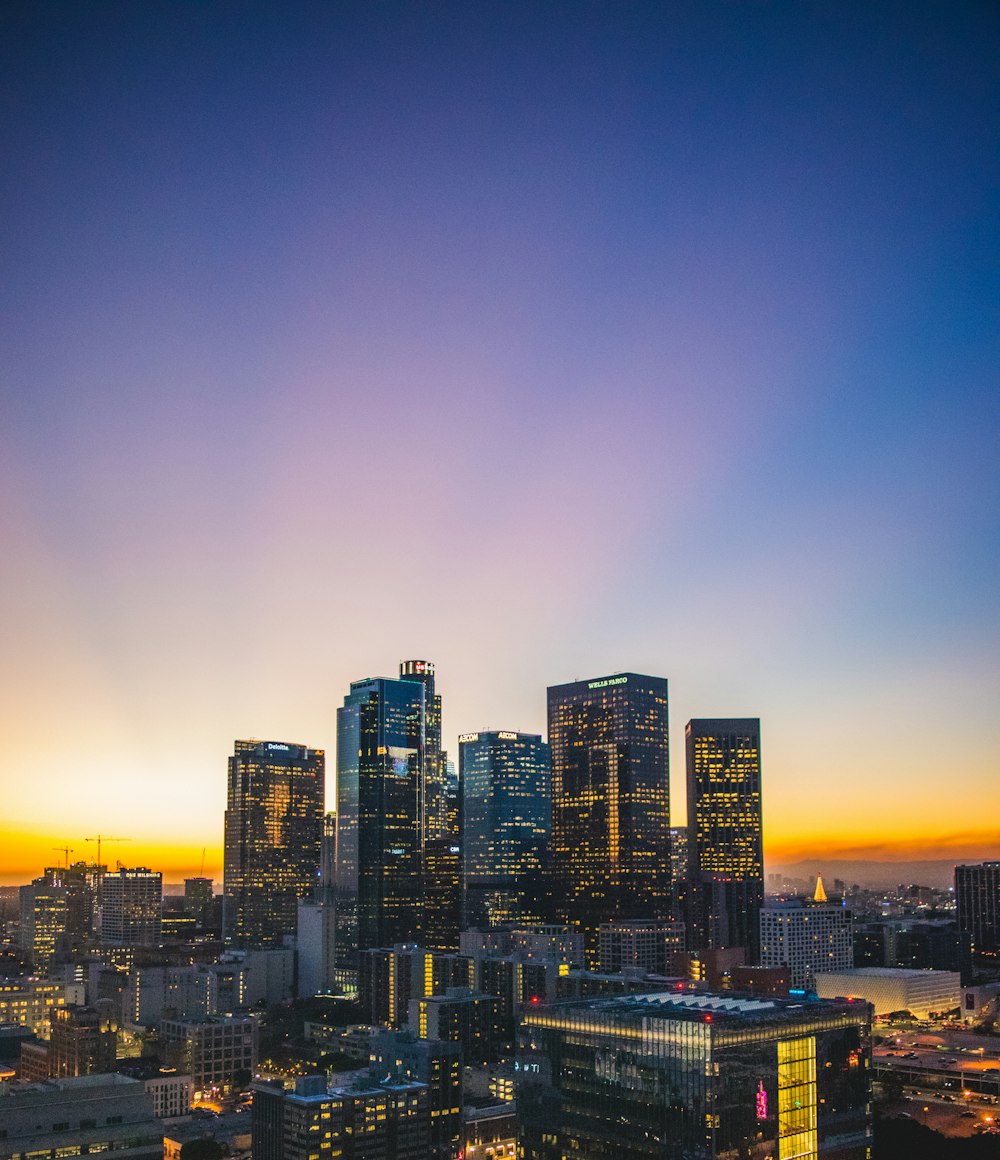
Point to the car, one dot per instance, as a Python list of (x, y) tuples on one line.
[(968, 1115)]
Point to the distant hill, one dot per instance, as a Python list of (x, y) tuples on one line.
[(939, 873)]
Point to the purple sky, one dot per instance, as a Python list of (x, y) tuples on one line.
[(541, 341)]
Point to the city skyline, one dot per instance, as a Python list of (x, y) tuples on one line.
[(543, 342)]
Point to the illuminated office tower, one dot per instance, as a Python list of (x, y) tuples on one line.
[(725, 888), (273, 836), (506, 814), (131, 907), (610, 844), (384, 818), (42, 929)]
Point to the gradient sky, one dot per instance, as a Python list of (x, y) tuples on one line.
[(538, 340)]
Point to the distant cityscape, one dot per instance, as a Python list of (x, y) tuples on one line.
[(458, 958)]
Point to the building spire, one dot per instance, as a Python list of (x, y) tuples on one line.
[(820, 895)]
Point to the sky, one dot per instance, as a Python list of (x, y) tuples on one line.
[(539, 341)]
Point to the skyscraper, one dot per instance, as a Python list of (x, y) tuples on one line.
[(273, 834), (977, 900), (610, 800), (506, 811), (725, 888), (391, 811), (131, 907)]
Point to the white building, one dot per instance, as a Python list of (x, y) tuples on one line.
[(891, 989), (316, 944), (807, 937)]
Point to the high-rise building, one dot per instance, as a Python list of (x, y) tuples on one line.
[(199, 896), (700, 1076), (273, 835), (610, 844), (807, 937), (725, 880), (394, 843), (506, 815), (131, 907), (44, 917), (977, 898)]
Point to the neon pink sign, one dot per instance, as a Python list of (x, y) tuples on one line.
[(761, 1101)]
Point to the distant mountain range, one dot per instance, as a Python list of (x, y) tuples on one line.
[(939, 873)]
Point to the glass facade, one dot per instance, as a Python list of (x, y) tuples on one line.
[(694, 1076), (725, 889), (380, 744), (273, 838), (610, 800), (505, 824)]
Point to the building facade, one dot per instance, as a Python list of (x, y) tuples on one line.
[(73, 1117), (977, 901), (725, 878), (214, 1051), (640, 945), (378, 1122), (694, 1077), (273, 837), (394, 841), (807, 937), (506, 816), (131, 907), (610, 844)]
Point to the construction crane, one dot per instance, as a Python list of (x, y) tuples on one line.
[(104, 838), (66, 850)]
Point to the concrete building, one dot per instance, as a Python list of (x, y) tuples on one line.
[(213, 1050), (807, 937), (699, 1076), (461, 1016), (131, 908), (73, 1117), (29, 1002), (390, 977), (891, 989), (558, 941), (316, 945), (376, 1122), (640, 945)]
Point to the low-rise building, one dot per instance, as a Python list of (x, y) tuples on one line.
[(212, 1050), (890, 989), (79, 1116)]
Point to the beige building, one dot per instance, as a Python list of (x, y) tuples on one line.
[(891, 989)]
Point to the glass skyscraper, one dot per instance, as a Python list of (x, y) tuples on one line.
[(725, 887), (394, 842), (610, 800), (506, 816), (273, 837), (678, 1076)]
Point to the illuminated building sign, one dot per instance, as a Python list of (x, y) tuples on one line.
[(761, 1101), (466, 737), (607, 681), (507, 736), (277, 745)]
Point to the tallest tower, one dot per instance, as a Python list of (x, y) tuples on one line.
[(395, 881), (610, 800)]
